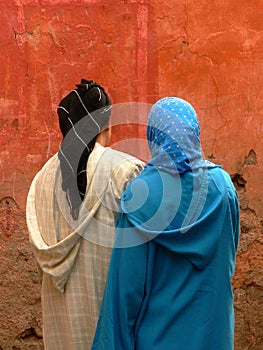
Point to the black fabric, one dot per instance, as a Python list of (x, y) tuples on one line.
[(82, 115)]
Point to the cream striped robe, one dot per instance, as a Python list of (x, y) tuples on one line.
[(73, 256)]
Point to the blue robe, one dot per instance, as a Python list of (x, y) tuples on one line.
[(171, 289), (169, 281)]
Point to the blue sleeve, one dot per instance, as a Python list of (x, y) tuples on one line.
[(123, 296), (235, 213)]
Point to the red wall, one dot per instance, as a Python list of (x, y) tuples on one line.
[(208, 52)]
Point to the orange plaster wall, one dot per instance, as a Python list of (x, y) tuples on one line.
[(46, 48), (208, 52)]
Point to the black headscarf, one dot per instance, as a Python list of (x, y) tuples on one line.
[(82, 115)]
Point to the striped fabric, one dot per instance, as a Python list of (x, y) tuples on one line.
[(73, 256)]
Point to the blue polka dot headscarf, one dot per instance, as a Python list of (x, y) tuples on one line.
[(173, 134)]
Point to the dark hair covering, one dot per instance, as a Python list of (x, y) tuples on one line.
[(82, 115)]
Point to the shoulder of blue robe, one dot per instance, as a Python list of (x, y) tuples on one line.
[(187, 214)]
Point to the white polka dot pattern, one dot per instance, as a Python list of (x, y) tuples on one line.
[(173, 134)]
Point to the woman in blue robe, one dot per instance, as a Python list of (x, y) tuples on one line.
[(169, 281)]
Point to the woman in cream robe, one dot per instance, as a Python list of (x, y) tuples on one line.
[(73, 253)]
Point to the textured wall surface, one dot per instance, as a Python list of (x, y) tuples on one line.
[(208, 52)]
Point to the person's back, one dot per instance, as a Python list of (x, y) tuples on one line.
[(73, 251), (188, 298)]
